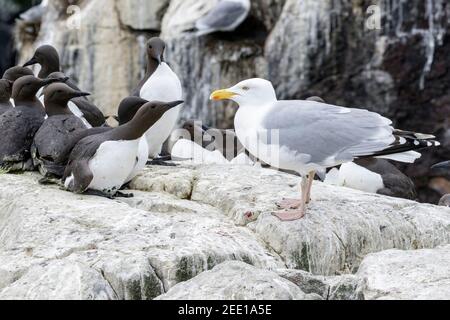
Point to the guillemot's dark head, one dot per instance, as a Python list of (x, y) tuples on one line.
[(5, 90), (27, 87), (145, 117), (14, 73), (47, 56), (57, 95), (152, 111), (149, 114), (128, 108), (155, 49)]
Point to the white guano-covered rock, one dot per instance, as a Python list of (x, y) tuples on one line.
[(341, 227), (236, 281), (187, 219), (141, 247), (407, 275), (60, 280)]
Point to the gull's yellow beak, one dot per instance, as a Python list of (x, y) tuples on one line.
[(222, 95)]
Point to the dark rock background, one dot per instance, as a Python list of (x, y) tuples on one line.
[(9, 11)]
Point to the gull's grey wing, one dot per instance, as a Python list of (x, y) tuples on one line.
[(225, 16), (327, 134)]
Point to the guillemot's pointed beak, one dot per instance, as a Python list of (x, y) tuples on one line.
[(81, 94), (174, 104), (222, 95), (30, 62)]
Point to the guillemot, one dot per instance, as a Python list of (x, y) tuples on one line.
[(56, 137), (19, 125), (14, 73), (202, 144), (444, 169), (127, 110), (160, 83), (48, 58), (90, 169)]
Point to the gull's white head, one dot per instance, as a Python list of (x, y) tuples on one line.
[(248, 92)]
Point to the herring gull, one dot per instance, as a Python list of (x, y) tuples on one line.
[(308, 136)]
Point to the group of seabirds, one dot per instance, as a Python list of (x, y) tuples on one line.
[(49, 124)]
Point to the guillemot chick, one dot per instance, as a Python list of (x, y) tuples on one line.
[(90, 169)]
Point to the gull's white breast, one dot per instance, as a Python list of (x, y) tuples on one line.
[(265, 144)]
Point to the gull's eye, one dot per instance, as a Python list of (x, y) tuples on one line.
[(245, 88), (150, 46)]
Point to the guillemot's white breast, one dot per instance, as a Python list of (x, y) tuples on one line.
[(141, 160), (112, 165), (163, 85)]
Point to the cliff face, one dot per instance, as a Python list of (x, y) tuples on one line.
[(396, 65)]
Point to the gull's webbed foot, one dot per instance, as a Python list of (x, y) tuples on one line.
[(290, 215), (289, 203)]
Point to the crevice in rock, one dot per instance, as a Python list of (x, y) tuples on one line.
[(155, 271), (102, 273)]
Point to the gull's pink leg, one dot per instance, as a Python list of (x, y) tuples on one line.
[(296, 203), (311, 176), (299, 212)]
